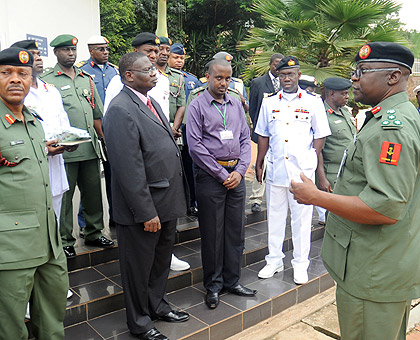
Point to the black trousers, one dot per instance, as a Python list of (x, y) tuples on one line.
[(221, 217), (144, 261)]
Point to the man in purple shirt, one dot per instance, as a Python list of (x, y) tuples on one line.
[(219, 143)]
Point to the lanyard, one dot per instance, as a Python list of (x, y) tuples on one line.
[(222, 114)]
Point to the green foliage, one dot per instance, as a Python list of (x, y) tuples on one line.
[(117, 19), (324, 34)]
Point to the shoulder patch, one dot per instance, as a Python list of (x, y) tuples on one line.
[(390, 153), (203, 80)]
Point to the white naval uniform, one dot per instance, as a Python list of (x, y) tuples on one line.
[(47, 103), (291, 121), (160, 92)]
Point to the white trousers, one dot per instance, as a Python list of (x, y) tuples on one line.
[(279, 200), (321, 213)]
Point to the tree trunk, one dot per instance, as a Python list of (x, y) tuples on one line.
[(162, 29)]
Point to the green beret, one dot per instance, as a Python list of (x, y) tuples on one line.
[(145, 38), (385, 52), (288, 62), (64, 40), (336, 83), (16, 56), (165, 41), (26, 44)]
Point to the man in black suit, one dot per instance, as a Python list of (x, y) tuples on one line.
[(268, 83), (148, 194)]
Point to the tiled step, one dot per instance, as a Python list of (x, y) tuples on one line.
[(233, 314), (187, 230), (98, 290)]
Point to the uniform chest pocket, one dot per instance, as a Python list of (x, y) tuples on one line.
[(19, 154)]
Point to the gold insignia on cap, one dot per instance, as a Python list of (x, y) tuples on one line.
[(364, 52), (74, 41), (106, 40), (170, 41), (184, 51), (36, 44), (291, 62), (157, 40), (228, 57), (23, 57)]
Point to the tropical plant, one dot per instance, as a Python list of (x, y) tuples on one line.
[(324, 34)]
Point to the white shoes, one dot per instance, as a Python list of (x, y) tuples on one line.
[(300, 276), (178, 265), (269, 270)]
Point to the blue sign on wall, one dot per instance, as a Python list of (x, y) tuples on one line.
[(42, 43)]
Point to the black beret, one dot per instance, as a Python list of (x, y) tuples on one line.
[(26, 44), (16, 56), (288, 62), (335, 83), (165, 41), (178, 48), (145, 38), (387, 52), (64, 40)]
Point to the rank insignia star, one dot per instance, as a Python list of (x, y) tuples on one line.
[(391, 117)]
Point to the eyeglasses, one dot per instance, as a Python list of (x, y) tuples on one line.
[(101, 49), (358, 72), (149, 71), (283, 76)]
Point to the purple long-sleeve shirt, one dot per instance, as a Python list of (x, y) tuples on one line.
[(204, 125)]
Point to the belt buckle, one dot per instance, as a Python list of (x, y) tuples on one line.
[(231, 163)]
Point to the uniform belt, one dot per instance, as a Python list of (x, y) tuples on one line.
[(230, 164)]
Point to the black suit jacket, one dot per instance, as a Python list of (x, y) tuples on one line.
[(147, 174), (259, 86)]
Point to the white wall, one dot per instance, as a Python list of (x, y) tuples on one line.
[(49, 18)]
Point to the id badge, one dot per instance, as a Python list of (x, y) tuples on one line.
[(226, 134), (343, 161)]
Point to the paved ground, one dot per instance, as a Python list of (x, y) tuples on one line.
[(313, 319)]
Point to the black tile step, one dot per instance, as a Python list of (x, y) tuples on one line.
[(98, 289), (187, 230), (233, 314)]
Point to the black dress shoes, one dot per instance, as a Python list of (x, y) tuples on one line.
[(240, 290), (152, 334), (101, 242), (212, 300), (175, 316), (69, 251), (192, 211)]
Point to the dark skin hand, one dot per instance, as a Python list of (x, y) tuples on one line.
[(152, 225), (233, 180), (344, 206), (54, 149)]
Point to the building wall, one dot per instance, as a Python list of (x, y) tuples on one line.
[(47, 19)]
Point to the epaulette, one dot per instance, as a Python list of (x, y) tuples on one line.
[(36, 115), (81, 63), (175, 70), (48, 70), (238, 80), (266, 95), (114, 66), (189, 73), (86, 73), (229, 89), (311, 93), (203, 80), (197, 90), (391, 121), (49, 84)]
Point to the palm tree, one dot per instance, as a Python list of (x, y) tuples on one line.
[(324, 34)]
